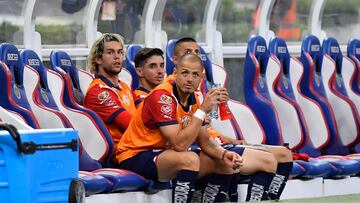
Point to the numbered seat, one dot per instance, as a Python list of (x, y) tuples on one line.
[(292, 122), (312, 86), (39, 95), (346, 115), (13, 96), (353, 52), (256, 91), (350, 72), (353, 78)]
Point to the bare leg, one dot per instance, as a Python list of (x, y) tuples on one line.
[(282, 154), (169, 162), (209, 165), (256, 160)]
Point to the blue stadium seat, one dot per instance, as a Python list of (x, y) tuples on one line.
[(297, 170), (350, 71), (289, 113), (13, 97), (169, 64), (123, 180), (312, 86), (40, 97), (352, 74), (346, 114), (256, 91), (285, 88), (95, 184), (353, 52), (345, 166), (130, 66), (317, 168), (60, 62)]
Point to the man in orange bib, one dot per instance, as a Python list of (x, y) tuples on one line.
[(167, 122), (109, 97)]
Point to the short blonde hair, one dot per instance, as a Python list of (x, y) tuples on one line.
[(97, 49)]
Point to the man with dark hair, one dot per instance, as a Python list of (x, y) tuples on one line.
[(149, 64), (183, 46), (166, 124)]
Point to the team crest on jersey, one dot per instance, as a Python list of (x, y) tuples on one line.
[(104, 96), (165, 99), (166, 109), (185, 121)]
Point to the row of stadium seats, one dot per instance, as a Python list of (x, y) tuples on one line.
[(305, 103), (52, 98)]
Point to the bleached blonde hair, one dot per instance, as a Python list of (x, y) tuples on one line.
[(97, 49)]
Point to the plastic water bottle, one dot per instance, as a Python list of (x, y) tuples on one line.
[(221, 110), (214, 113)]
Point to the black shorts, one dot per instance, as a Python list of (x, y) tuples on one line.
[(239, 149), (143, 164)]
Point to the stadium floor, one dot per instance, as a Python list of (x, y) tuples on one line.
[(353, 198)]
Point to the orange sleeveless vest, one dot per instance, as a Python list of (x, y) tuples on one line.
[(124, 96), (138, 137)]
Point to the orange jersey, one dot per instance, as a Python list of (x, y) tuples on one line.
[(141, 92), (139, 95), (108, 102), (160, 108)]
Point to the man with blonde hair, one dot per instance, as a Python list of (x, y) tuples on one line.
[(109, 97)]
